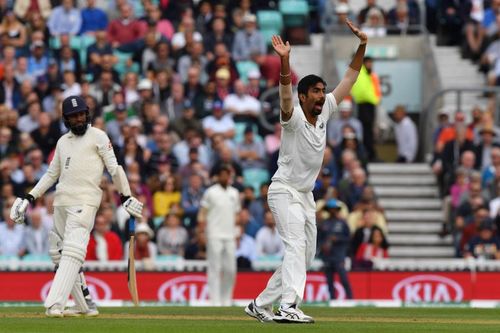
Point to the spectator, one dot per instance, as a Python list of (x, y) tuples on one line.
[(223, 83), (374, 25), (363, 14), (176, 102), (195, 57), (13, 30), (404, 18), (36, 235), (459, 187), (245, 249), (29, 122), (191, 200), (488, 174), (268, 242), (186, 122), (7, 144), (334, 237), (197, 247), (35, 158), (219, 122), (161, 25), (10, 89), (375, 248), (104, 88), (65, 19), (335, 15), (26, 8), (484, 148), (241, 105), (336, 125), (193, 141), (93, 19), (96, 51), (11, 236), (104, 244), (125, 29), (451, 16), (172, 237), (167, 196), (485, 245), (251, 153), (254, 88), (248, 41), (38, 61), (185, 31), (193, 88), (406, 136), (163, 157), (218, 34), (145, 249), (70, 85), (248, 222), (163, 60)]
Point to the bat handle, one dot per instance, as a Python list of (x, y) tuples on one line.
[(131, 225)]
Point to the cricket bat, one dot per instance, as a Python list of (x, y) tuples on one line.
[(132, 279)]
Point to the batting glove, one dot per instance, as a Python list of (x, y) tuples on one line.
[(18, 210), (133, 207)]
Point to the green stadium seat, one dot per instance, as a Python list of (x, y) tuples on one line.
[(121, 66), (295, 12), (168, 258), (37, 257), (244, 67), (255, 177), (239, 132), (8, 257), (270, 20), (86, 41)]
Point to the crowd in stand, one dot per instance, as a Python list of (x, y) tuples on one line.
[(176, 86)]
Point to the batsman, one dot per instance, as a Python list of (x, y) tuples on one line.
[(77, 166)]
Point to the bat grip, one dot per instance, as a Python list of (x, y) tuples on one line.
[(131, 225)]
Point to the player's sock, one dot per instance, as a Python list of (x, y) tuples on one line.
[(63, 282), (79, 292)]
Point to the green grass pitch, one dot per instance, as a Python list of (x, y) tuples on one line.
[(206, 319)]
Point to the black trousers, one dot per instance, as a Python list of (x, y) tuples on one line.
[(366, 115), (332, 267)]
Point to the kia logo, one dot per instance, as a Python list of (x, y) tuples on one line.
[(427, 288), (183, 289), (99, 290), (317, 289)]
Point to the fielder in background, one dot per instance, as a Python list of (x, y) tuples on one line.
[(220, 205), (78, 165), (290, 197)]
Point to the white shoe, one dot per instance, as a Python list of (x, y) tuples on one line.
[(262, 314), (292, 314), (53, 312), (77, 312)]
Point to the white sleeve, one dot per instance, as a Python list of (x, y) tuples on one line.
[(294, 121), (205, 199), (330, 105), (50, 177)]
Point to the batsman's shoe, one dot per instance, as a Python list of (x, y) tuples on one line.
[(77, 312), (292, 314), (54, 312), (262, 314)]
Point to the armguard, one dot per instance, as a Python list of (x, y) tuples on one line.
[(121, 182), (286, 98)]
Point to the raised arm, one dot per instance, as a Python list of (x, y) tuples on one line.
[(286, 101), (344, 87)]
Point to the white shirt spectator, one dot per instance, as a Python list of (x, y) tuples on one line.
[(11, 239), (246, 248), (406, 139), (239, 104), (268, 242), (221, 125)]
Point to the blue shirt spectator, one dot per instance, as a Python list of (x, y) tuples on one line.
[(65, 19), (93, 18), (248, 41)]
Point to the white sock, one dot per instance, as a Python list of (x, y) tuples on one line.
[(77, 294), (63, 282)]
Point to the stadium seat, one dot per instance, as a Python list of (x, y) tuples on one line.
[(295, 12), (8, 257), (270, 20), (86, 41), (168, 258), (37, 257), (255, 177), (244, 67), (121, 66)]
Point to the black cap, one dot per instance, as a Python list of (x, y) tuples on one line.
[(486, 223), (74, 104), (248, 129)]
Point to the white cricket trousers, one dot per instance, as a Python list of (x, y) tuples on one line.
[(295, 216), (221, 270), (73, 225)]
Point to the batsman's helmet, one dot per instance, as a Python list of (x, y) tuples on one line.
[(72, 105)]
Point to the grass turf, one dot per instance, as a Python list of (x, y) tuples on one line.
[(220, 320)]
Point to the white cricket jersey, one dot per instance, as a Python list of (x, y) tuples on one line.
[(78, 164), (221, 204), (302, 147)]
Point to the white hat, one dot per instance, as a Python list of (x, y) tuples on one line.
[(145, 84), (342, 8), (254, 74), (134, 122), (249, 18), (345, 105), (143, 227)]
